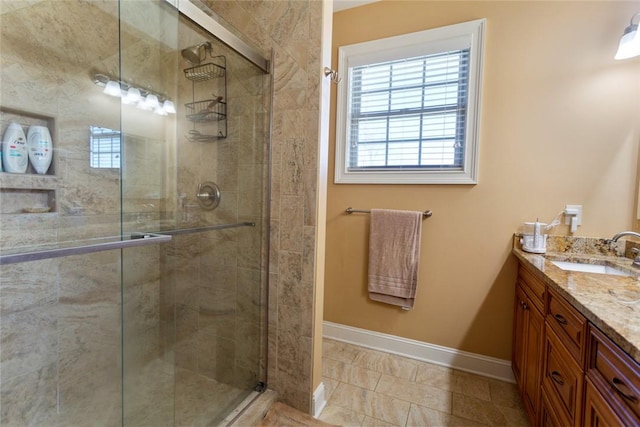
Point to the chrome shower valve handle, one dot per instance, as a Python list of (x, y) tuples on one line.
[(208, 195)]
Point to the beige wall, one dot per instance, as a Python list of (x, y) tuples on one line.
[(560, 125)]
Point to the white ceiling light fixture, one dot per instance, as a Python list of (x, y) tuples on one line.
[(630, 41)]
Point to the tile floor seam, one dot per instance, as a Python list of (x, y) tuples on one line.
[(406, 419), (377, 383), (415, 373)]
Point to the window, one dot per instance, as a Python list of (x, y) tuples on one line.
[(104, 147), (408, 109)]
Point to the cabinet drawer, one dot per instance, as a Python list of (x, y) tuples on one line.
[(562, 378), (618, 373), (569, 324), (597, 412), (534, 287)]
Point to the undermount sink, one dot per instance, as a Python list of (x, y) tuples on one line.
[(590, 268)]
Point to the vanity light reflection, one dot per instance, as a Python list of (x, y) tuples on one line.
[(131, 95)]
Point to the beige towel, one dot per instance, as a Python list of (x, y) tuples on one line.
[(394, 255)]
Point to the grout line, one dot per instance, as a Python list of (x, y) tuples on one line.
[(406, 421)]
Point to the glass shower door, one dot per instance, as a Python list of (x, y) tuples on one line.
[(148, 73), (103, 319), (193, 309), (60, 228)]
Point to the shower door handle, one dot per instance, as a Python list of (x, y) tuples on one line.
[(133, 240)]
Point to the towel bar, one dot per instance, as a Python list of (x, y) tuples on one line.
[(350, 210)]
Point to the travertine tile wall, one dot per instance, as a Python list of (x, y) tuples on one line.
[(292, 29)]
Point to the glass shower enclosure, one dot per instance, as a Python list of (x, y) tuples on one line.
[(133, 269)]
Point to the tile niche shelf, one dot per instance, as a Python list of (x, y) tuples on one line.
[(28, 192), (21, 193)]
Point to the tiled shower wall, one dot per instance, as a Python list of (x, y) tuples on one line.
[(293, 29)]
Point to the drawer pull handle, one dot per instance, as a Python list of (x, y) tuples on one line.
[(617, 383), (524, 305), (557, 377), (560, 319)]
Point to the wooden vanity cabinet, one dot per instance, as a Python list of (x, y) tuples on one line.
[(568, 372), (528, 335)]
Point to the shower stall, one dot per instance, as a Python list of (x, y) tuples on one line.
[(133, 271)]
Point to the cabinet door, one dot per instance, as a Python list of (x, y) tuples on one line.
[(519, 337), (533, 356), (562, 378), (597, 412), (548, 418)]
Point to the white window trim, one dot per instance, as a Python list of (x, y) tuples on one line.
[(470, 34)]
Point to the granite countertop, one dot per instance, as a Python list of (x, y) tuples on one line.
[(612, 303)]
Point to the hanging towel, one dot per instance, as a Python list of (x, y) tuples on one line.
[(394, 255)]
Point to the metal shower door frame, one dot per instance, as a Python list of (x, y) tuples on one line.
[(207, 22)]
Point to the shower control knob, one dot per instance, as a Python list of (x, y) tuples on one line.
[(208, 195)]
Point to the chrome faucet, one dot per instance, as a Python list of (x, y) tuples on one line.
[(636, 251), (625, 233)]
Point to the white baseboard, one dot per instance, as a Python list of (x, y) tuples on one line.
[(319, 400), (444, 356)]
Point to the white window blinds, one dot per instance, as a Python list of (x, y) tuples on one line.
[(408, 109), (410, 113)]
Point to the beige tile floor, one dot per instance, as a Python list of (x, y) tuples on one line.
[(370, 388)]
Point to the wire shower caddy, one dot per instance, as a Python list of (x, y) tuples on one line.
[(208, 115)]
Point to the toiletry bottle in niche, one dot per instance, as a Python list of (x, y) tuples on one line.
[(40, 148), (14, 149)]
